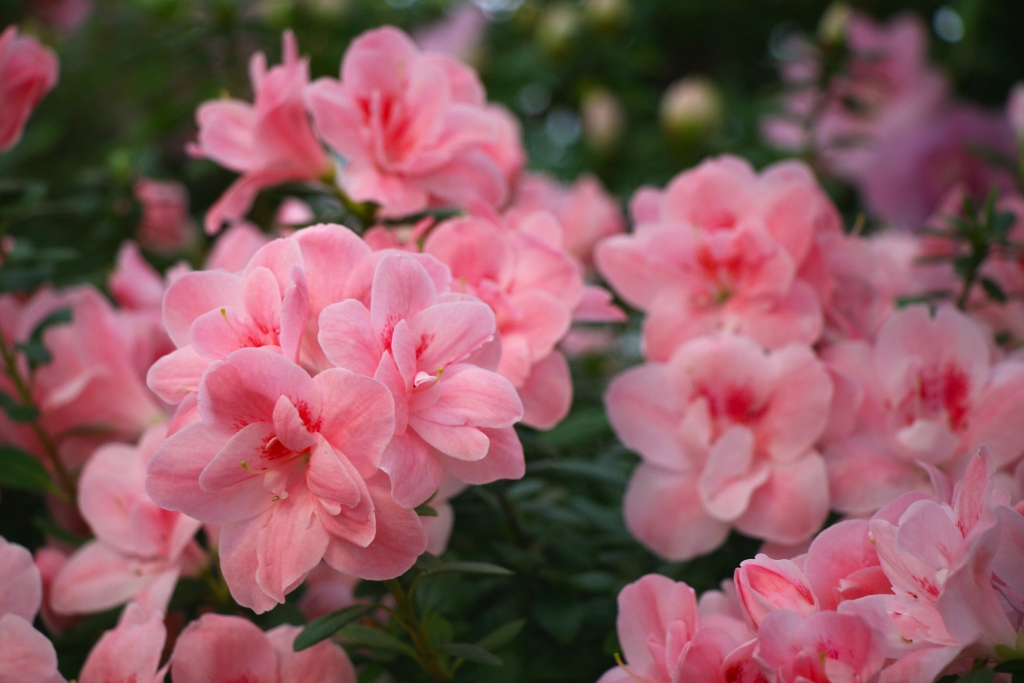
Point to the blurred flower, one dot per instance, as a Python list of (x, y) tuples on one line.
[(27, 72), (64, 16), (832, 26), (166, 225), (690, 107), (1015, 111), (557, 27), (606, 12), (458, 35), (603, 118)]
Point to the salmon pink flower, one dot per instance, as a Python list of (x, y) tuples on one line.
[(721, 248), (166, 226), (930, 392), (129, 652), (140, 550), (413, 128), (26, 655), (27, 72), (451, 415), (268, 142), (223, 648), (765, 585), (726, 433), (288, 464)]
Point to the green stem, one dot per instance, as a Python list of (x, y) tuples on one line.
[(406, 615), (25, 396)]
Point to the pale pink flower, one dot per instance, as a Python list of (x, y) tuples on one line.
[(585, 210), (459, 34), (823, 647), (268, 142), (842, 565), (534, 289), (140, 550), (927, 391), (139, 290), (28, 71), (451, 414), (765, 585), (721, 249), (665, 638), (273, 302), (26, 655), (235, 247), (413, 128), (129, 652), (223, 648), (288, 464), (726, 432), (166, 225)]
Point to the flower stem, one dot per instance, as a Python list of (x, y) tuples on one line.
[(406, 616)]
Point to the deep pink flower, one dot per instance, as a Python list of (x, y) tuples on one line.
[(27, 72), (222, 648), (269, 142), (666, 639), (140, 550), (451, 415), (726, 432), (413, 128), (930, 392), (721, 249), (288, 464), (129, 652)]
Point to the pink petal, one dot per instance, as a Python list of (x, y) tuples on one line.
[(447, 333), (194, 294), (504, 459), (21, 591), (290, 545), (130, 652), (177, 374), (474, 396), (26, 655), (644, 411), (324, 661), (401, 289), (731, 476), (413, 468), (792, 505), (462, 442), (96, 578), (647, 608), (357, 418), (223, 648), (347, 337), (547, 392), (239, 562)]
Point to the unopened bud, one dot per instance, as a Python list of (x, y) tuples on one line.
[(691, 107), (832, 27), (603, 118)]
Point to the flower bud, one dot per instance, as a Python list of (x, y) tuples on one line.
[(765, 585), (690, 107), (602, 118), (832, 26)]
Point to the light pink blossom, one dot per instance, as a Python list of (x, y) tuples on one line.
[(269, 142), (413, 128), (451, 415), (26, 655), (166, 226), (721, 248), (224, 648), (140, 550), (27, 72), (726, 433), (288, 464), (129, 652)]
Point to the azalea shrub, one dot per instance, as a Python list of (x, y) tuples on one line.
[(616, 341)]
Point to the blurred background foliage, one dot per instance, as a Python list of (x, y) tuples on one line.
[(587, 79)]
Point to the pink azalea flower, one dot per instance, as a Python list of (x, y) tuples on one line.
[(459, 34), (585, 210), (726, 432), (26, 655), (139, 551), (451, 415), (929, 392), (721, 248), (413, 128), (288, 464), (27, 72), (666, 639), (326, 590), (273, 302), (819, 648), (534, 289), (223, 648), (166, 226), (765, 585), (269, 142), (235, 247), (129, 652)]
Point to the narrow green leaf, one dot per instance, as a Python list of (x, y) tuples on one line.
[(993, 290), (16, 410), (367, 636), (52, 529), (428, 562), (502, 636), (471, 653), (978, 676), (473, 568), (326, 626), (21, 470), (425, 511), (23, 279)]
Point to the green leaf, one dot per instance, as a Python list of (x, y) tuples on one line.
[(993, 290), (21, 470), (438, 629), (23, 279), (371, 673), (425, 511), (1014, 666), (16, 410), (502, 636), (472, 568), (979, 676), (1002, 222), (367, 636), (428, 562), (52, 529), (326, 626), (471, 653)]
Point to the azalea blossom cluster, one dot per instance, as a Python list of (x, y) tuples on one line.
[(309, 401), (929, 584)]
